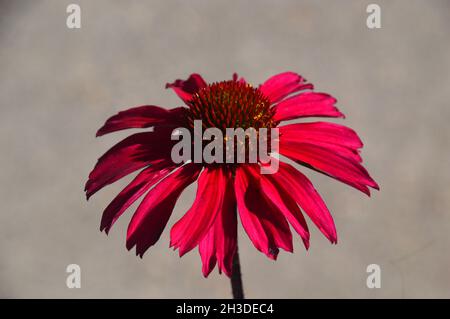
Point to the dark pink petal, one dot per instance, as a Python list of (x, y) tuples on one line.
[(264, 224), (152, 215), (207, 249), (326, 132), (337, 138), (219, 244), (307, 104), (226, 231), (142, 117), (143, 181), (281, 85), (342, 151), (195, 224), (132, 153), (346, 170), (186, 88), (286, 205), (292, 182)]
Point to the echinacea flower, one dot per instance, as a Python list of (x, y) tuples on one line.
[(266, 204)]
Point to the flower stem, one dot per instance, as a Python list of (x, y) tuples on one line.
[(236, 280)]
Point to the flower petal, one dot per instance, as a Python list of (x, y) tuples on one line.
[(337, 138), (326, 132), (324, 160), (219, 244), (307, 104), (281, 85), (291, 181), (195, 224), (142, 117), (186, 88), (264, 224), (207, 249), (143, 181), (129, 155), (152, 215), (285, 204)]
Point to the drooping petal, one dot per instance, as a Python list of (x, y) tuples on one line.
[(132, 153), (292, 182), (344, 169), (153, 213), (307, 104), (326, 132), (285, 203), (219, 244), (138, 186), (264, 224), (281, 85), (337, 138), (226, 232), (195, 224), (207, 249), (186, 88), (142, 117)]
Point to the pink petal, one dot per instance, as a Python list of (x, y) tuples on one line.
[(152, 215), (342, 151), (301, 189), (285, 204), (146, 179), (142, 117), (129, 155), (306, 104), (219, 244), (281, 85), (326, 132), (264, 224), (344, 169), (337, 138), (207, 249), (186, 88), (194, 225)]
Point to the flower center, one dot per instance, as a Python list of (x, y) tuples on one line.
[(231, 104)]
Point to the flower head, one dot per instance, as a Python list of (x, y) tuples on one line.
[(231, 104), (266, 204)]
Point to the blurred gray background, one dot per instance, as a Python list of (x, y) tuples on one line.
[(57, 86)]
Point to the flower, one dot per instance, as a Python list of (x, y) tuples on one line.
[(266, 204)]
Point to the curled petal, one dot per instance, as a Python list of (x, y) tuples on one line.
[(219, 244), (152, 215), (186, 88), (281, 85), (264, 224), (142, 117), (195, 224), (307, 104)]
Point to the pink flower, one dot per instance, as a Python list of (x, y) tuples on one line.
[(267, 204)]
